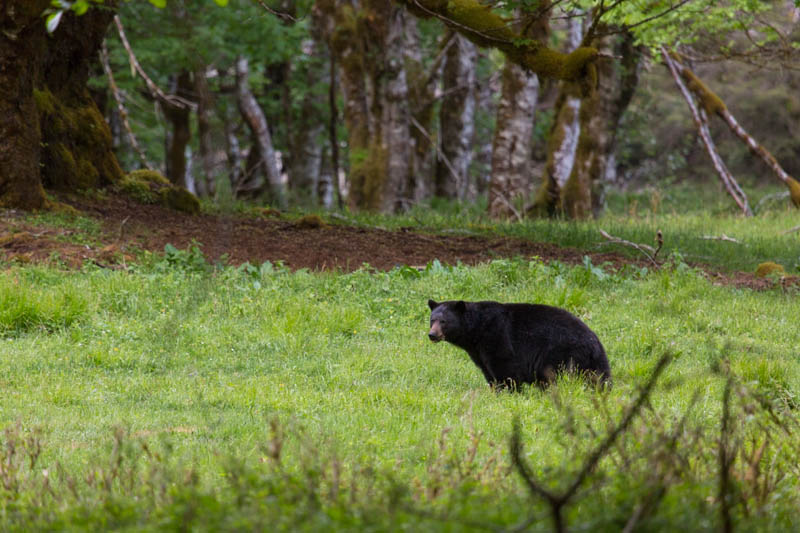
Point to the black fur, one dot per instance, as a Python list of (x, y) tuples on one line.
[(520, 343)]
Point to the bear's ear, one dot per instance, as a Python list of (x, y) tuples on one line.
[(432, 304), (460, 306)]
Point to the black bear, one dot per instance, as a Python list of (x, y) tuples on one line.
[(520, 343)]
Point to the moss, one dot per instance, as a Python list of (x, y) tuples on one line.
[(491, 29), (765, 269), (708, 99), (138, 189), (45, 101), (63, 166), (794, 191), (61, 207), (76, 143), (180, 199), (368, 175), (151, 176), (310, 222)]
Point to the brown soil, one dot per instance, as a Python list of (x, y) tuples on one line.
[(302, 243)]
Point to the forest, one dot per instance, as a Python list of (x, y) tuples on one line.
[(222, 223)]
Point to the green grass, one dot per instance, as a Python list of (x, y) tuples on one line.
[(175, 395)]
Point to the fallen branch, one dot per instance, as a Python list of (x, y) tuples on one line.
[(722, 237), (790, 230), (647, 250)]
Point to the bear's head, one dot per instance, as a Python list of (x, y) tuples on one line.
[(446, 319)]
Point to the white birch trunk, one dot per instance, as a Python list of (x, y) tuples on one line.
[(257, 122), (457, 118)]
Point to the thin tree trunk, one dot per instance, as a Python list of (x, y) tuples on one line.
[(457, 118), (306, 152), (396, 116), (205, 103), (181, 132), (422, 85), (701, 122), (257, 122)]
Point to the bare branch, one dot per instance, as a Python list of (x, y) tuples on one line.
[(701, 122), (558, 501), (123, 113), (647, 250), (155, 90), (285, 17)]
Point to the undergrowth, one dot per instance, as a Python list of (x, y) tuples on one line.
[(183, 395)]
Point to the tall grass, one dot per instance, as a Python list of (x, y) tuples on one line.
[(177, 395)]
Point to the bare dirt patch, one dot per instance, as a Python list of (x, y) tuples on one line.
[(127, 226)]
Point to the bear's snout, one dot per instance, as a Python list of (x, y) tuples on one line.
[(435, 334)]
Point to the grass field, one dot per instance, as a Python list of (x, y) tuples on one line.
[(178, 396)]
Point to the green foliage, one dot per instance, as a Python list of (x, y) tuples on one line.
[(26, 305), (255, 395), (189, 260)]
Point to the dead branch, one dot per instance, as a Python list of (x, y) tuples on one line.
[(439, 153), (701, 122), (285, 17), (556, 501), (648, 251), (155, 90), (722, 237), (790, 230), (722, 111), (123, 113)]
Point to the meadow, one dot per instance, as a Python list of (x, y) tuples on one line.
[(177, 395)]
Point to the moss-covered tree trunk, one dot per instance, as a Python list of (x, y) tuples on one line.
[(511, 181), (562, 139), (51, 132), (599, 117), (368, 41), (457, 118), (21, 41)]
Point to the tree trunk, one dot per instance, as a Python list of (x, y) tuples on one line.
[(422, 83), (457, 119), (599, 116), (510, 181), (22, 40), (180, 135), (369, 47), (562, 140), (257, 122), (306, 151), (205, 103), (396, 116), (51, 132)]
